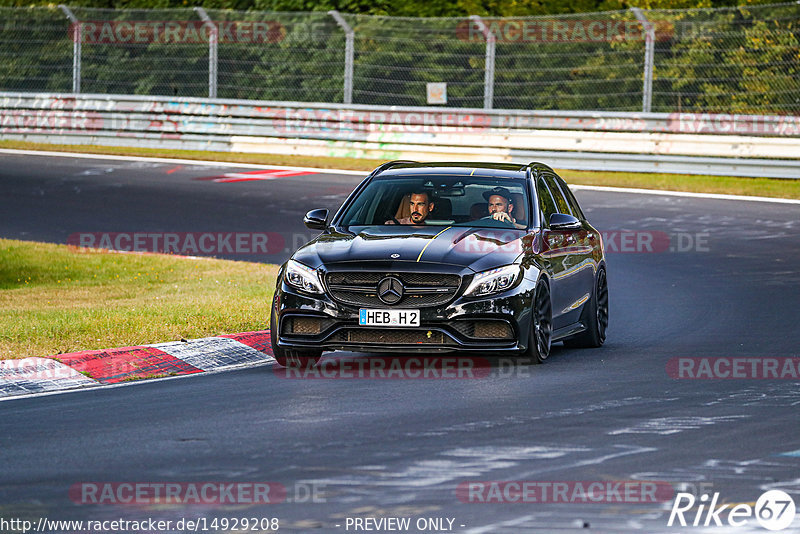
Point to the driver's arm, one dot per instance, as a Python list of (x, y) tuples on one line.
[(502, 216)]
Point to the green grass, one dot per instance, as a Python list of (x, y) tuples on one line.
[(57, 298), (765, 187), (135, 378), (730, 185)]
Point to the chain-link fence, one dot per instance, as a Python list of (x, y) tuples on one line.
[(741, 60)]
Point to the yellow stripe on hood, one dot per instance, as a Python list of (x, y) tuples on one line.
[(431, 241)]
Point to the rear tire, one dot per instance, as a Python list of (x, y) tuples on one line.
[(541, 330), (302, 359), (594, 316)]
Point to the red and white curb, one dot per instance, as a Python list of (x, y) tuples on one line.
[(250, 176), (93, 368)]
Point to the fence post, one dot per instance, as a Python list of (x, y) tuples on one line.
[(76, 48), (649, 51), (488, 78), (213, 40), (349, 52)]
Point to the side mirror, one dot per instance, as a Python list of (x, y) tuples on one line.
[(562, 221), (316, 219)]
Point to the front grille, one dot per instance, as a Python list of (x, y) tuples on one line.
[(395, 337), (409, 301), (365, 277), (420, 289), (484, 329)]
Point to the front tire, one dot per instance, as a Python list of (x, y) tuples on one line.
[(594, 316), (302, 359), (541, 331), (298, 359)]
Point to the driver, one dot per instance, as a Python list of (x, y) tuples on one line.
[(421, 206), (500, 206)]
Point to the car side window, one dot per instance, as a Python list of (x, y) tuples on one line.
[(546, 201), (573, 202), (558, 196)]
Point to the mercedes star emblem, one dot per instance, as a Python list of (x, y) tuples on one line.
[(390, 290)]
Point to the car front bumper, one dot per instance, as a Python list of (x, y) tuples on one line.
[(497, 323)]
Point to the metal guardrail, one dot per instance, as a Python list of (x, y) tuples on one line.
[(736, 145)]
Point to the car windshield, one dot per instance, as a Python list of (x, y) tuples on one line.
[(441, 201)]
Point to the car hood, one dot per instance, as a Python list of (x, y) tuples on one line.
[(475, 248)]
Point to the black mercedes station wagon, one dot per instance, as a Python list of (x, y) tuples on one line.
[(436, 257)]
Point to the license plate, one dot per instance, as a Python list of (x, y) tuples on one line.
[(388, 317)]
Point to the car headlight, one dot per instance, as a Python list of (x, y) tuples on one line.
[(302, 277), (492, 281)]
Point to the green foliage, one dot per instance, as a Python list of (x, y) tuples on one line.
[(400, 8), (744, 59)]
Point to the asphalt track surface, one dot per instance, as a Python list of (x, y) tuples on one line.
[(378, 448)]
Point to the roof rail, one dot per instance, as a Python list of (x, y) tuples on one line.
[(537, 165), (389, 164)]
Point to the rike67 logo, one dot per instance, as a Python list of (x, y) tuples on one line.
[(774, 510)]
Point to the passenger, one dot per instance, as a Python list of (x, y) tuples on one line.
[(421, 205)]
